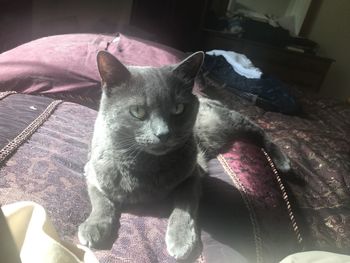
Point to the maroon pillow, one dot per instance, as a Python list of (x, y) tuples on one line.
[(66, 64)]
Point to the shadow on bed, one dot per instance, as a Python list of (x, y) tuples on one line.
[(226, 223)]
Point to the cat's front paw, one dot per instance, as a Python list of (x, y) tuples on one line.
[(182, 236), (98, 233)]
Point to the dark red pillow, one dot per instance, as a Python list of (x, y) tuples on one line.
[(66, 64)]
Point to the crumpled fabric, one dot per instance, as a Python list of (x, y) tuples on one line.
[(316, 257), (36, 238)]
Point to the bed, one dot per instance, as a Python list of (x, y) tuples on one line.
[(49, 92)]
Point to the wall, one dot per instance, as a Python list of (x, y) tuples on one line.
[(276, 7), (331, 29), (15, 23), (297, 9), (80, 16)]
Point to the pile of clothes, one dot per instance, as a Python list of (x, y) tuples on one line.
[(237, 73)]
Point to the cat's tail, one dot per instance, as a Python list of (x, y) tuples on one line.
[(217, 126)]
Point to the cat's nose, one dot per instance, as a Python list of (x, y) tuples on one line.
[(160, 129), (163, 136)]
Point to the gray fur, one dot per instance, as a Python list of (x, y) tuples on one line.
[(137, 160), (216, 126)]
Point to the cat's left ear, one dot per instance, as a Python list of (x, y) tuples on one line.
[(111, 70), (189, 67)]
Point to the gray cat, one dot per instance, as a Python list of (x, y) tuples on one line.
[(151, 139)]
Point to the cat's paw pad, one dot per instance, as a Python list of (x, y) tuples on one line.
[(98, 234), (182, 238)]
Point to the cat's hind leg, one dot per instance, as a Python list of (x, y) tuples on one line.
[(217, 127)]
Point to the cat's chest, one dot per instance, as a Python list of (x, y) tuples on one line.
[(153, 178), (159, 171)]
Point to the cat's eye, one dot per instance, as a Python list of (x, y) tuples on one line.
[(179, 108), (138, 112)]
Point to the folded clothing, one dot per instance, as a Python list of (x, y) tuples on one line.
[(267, 92), (239, 62)]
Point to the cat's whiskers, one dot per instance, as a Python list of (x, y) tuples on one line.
[(136, 153), (124, 144), (128, 145)]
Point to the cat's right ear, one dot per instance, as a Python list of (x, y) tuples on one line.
[(112, 71)]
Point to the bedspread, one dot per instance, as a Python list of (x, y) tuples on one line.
[(318, 145), (243, 213)]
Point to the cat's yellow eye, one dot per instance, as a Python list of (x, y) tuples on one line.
[(138, 112), (179, 108)]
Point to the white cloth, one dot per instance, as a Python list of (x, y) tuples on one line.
[(239, 62), (36, 239), (316, 257)]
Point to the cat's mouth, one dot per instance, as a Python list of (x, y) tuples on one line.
[(159, 149)]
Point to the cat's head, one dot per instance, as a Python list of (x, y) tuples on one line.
[(146, 108)]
